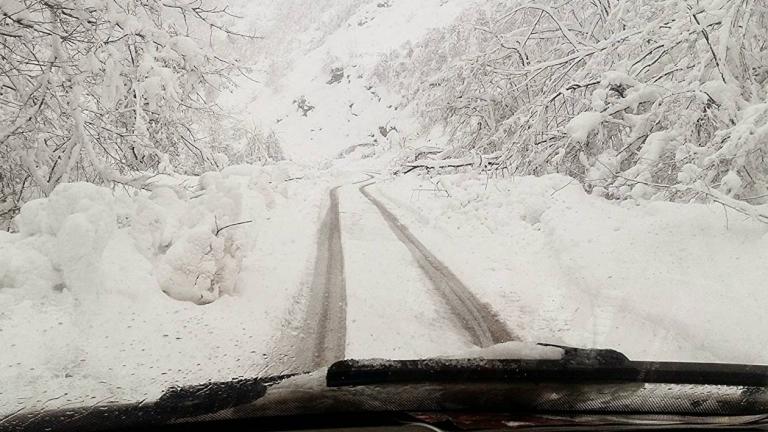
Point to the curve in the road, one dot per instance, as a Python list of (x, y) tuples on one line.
[(476, 317)]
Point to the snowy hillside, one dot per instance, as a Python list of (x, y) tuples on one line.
[(322, 98)]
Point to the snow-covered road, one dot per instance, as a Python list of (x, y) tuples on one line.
[(323, 336), (377, 291), (476, 318), (391, 310), (327, 273)]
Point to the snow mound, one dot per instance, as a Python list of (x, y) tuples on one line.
[(82, 236)]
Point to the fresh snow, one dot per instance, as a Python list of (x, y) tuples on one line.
[(84, 318), (514, 350), (112, 292), (385, 290), (580, 126), (655, 280), (349, 111)]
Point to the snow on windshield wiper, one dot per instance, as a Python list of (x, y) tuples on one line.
[(175, 403)]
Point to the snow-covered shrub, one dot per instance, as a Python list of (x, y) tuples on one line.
[(78, 237), (193, 244), (188, 270), (72, 227), (633, 98), (254, 147)]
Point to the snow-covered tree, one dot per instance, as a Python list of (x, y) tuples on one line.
[(107, 90), (635, 98)]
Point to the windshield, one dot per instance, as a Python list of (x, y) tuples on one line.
[(204, 191)]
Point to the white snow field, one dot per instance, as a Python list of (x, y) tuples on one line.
[(331, 67)]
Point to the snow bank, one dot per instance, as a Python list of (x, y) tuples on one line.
[(84, 318), (188, 234), (79, 224), (656, 280)]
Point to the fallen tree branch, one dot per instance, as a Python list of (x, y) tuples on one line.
[(441, 163)]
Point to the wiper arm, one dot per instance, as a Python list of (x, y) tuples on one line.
[(208, 398), (176, 403)]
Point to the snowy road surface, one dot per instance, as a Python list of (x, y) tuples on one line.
[(391, 277), (478, 320), (323, 336)]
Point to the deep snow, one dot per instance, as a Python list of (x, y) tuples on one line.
[(655, 280), (83, 316)]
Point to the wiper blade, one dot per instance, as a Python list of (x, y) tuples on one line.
[(176, 403), (577, 366)]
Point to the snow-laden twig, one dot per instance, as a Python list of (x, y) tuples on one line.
[(219, 230)]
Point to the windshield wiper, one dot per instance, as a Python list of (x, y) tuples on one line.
[(174, 404), (576, 366), (583, 381)]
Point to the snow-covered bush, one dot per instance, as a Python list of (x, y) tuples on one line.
[(634, 98), (193, 243), (78, 236)]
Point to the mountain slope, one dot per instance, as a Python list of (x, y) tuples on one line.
[(320, 97)]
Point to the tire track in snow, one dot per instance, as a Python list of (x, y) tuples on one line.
[(480, 322), (324, 332)]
